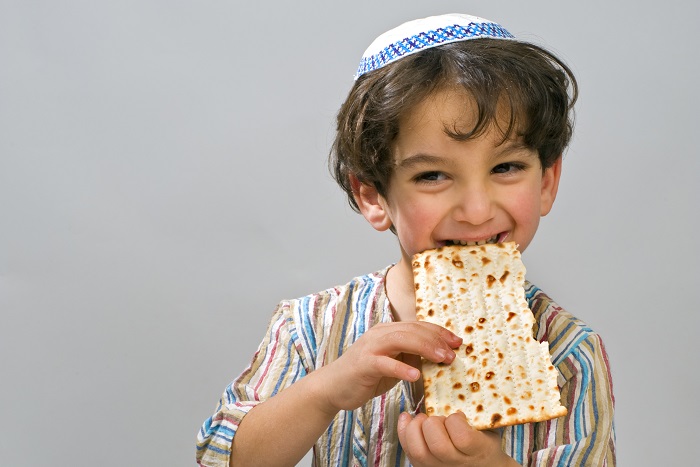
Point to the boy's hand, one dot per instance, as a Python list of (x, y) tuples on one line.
[(437, 441), (377, 361)]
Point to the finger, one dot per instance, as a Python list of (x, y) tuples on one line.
[(390, 367), (438, 440), (452, 339), (404, 420), (469, 441), (412, 441), (417, 340), (460, 432)]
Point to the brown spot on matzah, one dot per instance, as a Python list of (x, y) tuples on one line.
[(482, 320), (448, 409), (490, 280), (468, 329), (448, 323), (495, 418), (457, 386), (418, 287), (429, 410), (479, 408), (461, 397), (445, 307), (468, 349), (431, 312), (507, 400), (511, 411), (504, 277), (489, 375), (458, 264), (439, 374), (485, 260), (474, 386), (511, 315)]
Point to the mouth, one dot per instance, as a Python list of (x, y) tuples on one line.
[(498, 238)]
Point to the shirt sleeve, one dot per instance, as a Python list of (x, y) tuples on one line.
[(276, 365), (586, 435)]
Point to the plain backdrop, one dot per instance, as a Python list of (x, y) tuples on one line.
[(163, 184)]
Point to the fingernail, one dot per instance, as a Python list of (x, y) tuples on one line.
[(403, 421), (441, 353)]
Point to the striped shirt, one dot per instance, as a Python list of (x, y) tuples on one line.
[(307, 333)]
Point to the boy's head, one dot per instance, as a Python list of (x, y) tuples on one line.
[(519, 89)]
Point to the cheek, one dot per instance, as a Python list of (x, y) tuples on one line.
[(525, 208), (414, 223)]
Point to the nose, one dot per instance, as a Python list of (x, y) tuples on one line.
[(473, 205)]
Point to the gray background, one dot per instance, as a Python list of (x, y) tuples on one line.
[(163, 184)]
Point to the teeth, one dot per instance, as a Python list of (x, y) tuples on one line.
[(493, 239)]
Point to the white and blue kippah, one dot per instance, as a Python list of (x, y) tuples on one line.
[(421, 34)]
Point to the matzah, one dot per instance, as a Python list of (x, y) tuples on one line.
[(502, 375)]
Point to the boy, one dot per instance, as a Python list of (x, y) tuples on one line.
[(452, 133)]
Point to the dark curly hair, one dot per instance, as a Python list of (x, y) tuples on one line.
[(520, 83)]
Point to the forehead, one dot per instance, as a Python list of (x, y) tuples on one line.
[(449, 116), (450, 108)]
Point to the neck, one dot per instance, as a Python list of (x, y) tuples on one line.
[(401, 292)]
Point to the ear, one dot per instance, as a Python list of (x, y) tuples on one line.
[(550, 186), (372, 205)]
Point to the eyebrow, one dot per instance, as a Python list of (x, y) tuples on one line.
[(419, 159), (512, 146)]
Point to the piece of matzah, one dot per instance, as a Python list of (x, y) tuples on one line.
[(502, 375)]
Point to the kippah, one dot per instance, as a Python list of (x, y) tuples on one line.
[(424, 33)]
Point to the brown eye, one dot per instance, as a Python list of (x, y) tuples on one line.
[(508, 167), (429, 177)]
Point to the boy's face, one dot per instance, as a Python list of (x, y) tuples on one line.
[(445, 191)]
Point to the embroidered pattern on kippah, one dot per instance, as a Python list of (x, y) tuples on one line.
[(429, 39)]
